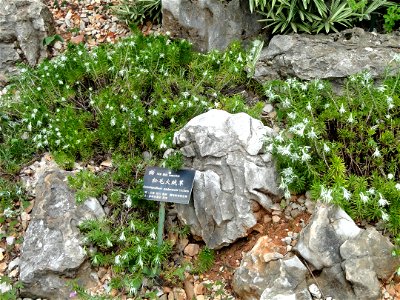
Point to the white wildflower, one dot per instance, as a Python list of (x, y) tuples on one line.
[(390, 176), (152, 136), (8, 212), (385, 216), (140, 261), (172, 120), (286, 103), (377, 153), (350, 119), (128, 202), (292, 115), (304, 86), (364, 198), (326, 148), (326, 195), (163, 145), (298, 129), (122, 236), (152, 234), (284, 150), (382, 201), (112, 122), (312, 134), (108, 243), (118, 260), (305, 156), (397, 186), (341, 109), (309, 107), (371, 191), (132, 226), (279, 138), (381, 88), (346, 194)]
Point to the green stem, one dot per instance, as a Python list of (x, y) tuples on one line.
[(161, 219)]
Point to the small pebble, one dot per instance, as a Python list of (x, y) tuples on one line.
[(276, 219), (314, 290)]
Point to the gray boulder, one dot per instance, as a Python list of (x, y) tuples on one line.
[(333, 283), (232, 171), (320, 240), (368, 258), (52, 252), (266, 274), (209, 24), (329, 56), (23, 26)]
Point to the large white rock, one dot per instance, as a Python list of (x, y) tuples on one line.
[(232, 171)]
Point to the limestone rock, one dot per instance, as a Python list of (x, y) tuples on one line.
[(331, 56), (231, 171), (333, 283), (370, 243), (368, 257), (320, 241), (23, 26), (209, 24), (267, 274), (52, 252)]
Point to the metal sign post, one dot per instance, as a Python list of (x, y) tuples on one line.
[(165, 185)]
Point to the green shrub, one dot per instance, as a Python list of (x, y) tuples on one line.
[(122, 101), (136, 12), (312, 16), (345, 149), (391, 17)]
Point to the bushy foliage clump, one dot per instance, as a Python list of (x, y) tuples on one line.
[(313, 16), (344, 148), (122, 102)]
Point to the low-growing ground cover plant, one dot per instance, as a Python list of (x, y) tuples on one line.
[(122, 102), (344, 148)]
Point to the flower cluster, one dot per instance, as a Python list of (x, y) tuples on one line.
[(341, 147), (122, 102)]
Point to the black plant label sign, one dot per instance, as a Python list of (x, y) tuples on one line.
[(161, 184)]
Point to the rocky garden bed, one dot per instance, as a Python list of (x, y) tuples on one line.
[(264, 221)]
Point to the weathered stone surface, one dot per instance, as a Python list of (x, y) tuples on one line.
[(333, 283), (23, 26), (370, 243), (367, 257), (232, 171), (209, 24), (320, 241), (52, 251), (331, 56), (266, 274), (360, 274)]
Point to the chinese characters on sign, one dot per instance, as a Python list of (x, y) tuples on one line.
[(161, 184)]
